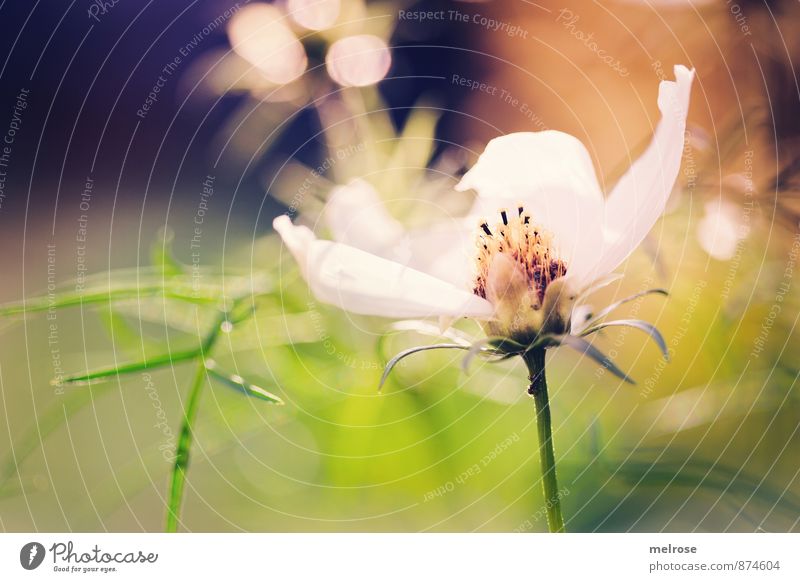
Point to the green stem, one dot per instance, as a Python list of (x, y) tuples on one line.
[(181, 465), (534, 359), (178, 481)]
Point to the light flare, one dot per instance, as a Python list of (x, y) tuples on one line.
[(314, 14), (358, 61), (258, 33)]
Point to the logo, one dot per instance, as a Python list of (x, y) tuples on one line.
[(31, 555)]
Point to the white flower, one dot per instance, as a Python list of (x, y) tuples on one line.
[(540, 232)]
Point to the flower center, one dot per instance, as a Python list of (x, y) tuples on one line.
[(516, 263)]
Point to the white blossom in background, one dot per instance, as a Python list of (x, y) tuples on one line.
[(260, 35), (314, 14), (539, 234), (358, 61)]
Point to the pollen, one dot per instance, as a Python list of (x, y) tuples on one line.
[(526, 248)]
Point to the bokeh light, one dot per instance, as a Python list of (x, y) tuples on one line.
[(358, 61), (259, 34), (721, 229), (314, 14)]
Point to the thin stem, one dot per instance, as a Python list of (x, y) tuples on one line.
[(182, 453), (181, 465), (534, 359)]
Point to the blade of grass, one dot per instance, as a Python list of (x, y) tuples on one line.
[(154, 362), (75, 299), (178, 480), (240, 384), (185, 440)]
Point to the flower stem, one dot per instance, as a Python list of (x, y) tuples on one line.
[(534, 359)]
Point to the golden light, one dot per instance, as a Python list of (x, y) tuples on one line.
[(314, 14), (259, 34), (358, 61)]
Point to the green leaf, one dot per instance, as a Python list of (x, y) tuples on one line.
[(240, 384), (644, 326), (606, 310), (154, 362), (597, 285), (479, 347), (581, 345), (423, 328), (395, 360)]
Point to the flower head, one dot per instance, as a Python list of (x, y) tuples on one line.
[(540, 232), (517, 265)]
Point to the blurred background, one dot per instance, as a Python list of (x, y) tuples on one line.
[(153, 143)]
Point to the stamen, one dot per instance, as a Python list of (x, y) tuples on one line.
[(523, 241)]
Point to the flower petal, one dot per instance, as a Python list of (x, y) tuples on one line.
[(358, 217), (446, 251), (639, 198), (360, 282), (529, 164), (551, 174), (297, 239)]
